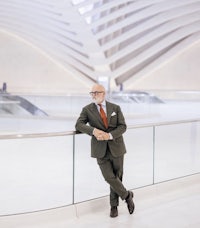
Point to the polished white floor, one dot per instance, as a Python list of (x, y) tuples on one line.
[(172, 204)]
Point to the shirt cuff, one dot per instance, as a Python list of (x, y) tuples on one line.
[(111, 137)]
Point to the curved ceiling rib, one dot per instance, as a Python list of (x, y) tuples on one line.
[(152, 36), (168, 40), (115, 38)]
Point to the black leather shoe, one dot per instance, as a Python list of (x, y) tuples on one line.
[(130, 203), (113, 212)]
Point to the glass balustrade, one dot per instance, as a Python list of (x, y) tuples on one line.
[(35, 173), (49, 170)]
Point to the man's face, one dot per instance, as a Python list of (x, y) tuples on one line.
[(98, 94)]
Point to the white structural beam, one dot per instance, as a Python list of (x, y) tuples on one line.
[(116, 39)]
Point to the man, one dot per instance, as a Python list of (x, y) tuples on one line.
[(105, 122)]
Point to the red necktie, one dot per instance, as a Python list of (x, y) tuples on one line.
[(103, 116)]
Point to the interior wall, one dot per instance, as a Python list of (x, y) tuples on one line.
[(26, 69)]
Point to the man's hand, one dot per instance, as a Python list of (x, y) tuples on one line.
[(106, 136), (101, 135), (97, 133)]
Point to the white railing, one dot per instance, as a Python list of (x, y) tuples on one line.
[(47, 170)]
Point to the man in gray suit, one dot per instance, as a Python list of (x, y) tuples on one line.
[(104, 122)]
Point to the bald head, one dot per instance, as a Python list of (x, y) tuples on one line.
[(98, 87)]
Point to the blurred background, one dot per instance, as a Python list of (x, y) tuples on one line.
[(146, 54)]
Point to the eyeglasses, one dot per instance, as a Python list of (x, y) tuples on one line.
[(96, 93)]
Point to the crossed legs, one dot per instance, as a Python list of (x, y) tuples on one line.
[(112, 171)]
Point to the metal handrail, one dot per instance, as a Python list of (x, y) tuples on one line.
[(65, 133)]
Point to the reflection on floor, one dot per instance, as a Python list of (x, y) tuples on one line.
[(172, 204)]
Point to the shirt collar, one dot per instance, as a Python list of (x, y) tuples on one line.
[(103, 104)]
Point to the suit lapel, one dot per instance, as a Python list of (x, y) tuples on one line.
[(109, 110), (96, 113)]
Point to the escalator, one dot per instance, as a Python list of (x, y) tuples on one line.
[(16, 105), (135, 97)]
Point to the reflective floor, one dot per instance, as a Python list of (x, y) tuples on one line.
[(172, 204)]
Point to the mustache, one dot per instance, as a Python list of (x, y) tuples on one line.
[(96, 101)]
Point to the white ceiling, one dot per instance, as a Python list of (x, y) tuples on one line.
[(110, 38)]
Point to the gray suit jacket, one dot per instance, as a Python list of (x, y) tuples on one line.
[(90, 119)]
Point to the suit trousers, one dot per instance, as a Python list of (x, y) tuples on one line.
[(112, 171)]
